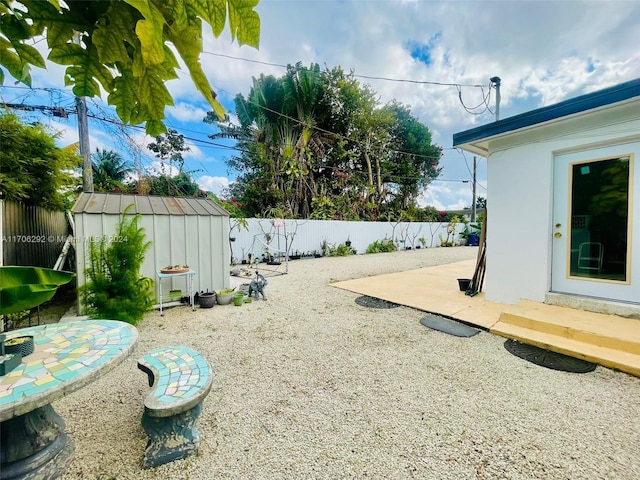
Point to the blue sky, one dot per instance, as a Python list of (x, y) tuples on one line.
[(544, 52)]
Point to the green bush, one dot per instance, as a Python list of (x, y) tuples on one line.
[(381, 246), (341, 250), (115, 289)]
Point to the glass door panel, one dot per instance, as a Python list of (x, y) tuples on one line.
[(599, 212)]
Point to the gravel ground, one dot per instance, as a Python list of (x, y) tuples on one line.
[(310, 385)]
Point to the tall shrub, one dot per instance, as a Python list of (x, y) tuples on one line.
[(115, 289)]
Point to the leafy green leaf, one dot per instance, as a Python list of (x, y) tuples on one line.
[(123, 95), (22, 288), (188, 42), (113, 32), (155, 127), (122, 35), (67, 54), (154, 94), (28, 54), (15, 29), (13, 63), (150, 31), (244, 22), (214, 12)]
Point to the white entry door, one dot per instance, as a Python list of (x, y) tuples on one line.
[(596, 197)]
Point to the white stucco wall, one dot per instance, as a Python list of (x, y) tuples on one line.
[(520, 186), (200, 241)]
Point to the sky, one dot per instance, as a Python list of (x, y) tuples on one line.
[(543, 51)]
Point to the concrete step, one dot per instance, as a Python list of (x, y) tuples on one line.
[(622, 360)]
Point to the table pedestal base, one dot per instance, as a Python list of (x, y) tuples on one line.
[(34, 446)]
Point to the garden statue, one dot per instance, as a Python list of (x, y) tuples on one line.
[(257, 286)]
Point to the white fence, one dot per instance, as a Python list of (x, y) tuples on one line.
[(305, 237)]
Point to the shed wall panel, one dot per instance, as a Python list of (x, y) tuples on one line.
[(194, 240)]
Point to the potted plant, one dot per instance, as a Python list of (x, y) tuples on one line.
[(238, 299), (225, 297), (207, 299), (22, 345)]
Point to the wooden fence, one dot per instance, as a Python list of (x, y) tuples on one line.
[(32, 236)]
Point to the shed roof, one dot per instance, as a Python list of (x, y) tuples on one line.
[(116, 203), (608, 96)]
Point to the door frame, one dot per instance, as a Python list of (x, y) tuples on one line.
[(561, 279)]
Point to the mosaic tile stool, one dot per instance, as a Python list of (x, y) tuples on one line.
[(181, 378)]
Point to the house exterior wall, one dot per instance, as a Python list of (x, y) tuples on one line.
[(520, 182), (200, 241)]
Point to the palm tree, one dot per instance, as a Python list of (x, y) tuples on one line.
[(110, 170)]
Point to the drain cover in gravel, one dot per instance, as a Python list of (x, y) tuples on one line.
[(372, 302), (446, 325), (549, 359)]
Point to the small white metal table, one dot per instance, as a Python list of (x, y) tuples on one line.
[(189, 277)]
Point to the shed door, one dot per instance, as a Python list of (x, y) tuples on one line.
[(594, 252)]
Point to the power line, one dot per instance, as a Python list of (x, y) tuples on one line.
[(210, 144), (370, 77)]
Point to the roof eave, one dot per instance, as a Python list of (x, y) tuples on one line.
[(475, 137)]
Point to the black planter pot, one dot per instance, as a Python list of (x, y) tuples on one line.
[(464, 283), (207, 300)]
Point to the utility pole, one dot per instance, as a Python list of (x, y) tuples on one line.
[(473, 205), (83, 137), (496, 83), (85, 152)]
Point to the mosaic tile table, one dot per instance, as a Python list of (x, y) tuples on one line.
[(67, 356)]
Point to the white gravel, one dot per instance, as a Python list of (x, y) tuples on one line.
[(310, 385)]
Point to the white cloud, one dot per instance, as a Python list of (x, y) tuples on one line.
[(544, 52), (209, 183), (446, 196), (158, 167), (186, 112)]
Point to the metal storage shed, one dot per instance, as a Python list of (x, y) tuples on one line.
[(184, 231)]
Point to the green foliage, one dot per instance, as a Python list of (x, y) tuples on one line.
[(124, 47), (110, 171), (322, 208), (341, 250), (382, 246), (180, 185), (23, 288), (32, 169), (238, 219), (115, 290), (319, 145), (169, 147)]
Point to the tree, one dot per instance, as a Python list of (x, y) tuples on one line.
[(115, 288), (318, 140), (282, 148), (122, 46), (180, 185), (32, 169), (110, 170), (169, 147)]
